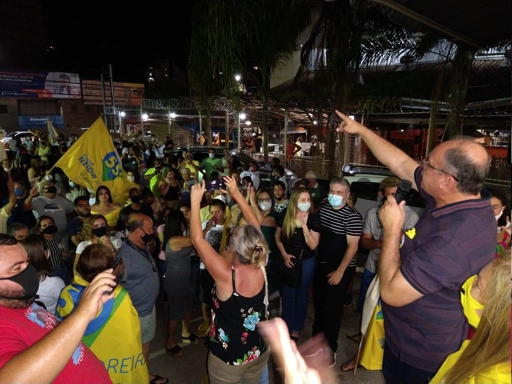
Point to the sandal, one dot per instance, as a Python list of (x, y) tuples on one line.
[(175, 351), (349, 365), (190, 339), (159, 380)]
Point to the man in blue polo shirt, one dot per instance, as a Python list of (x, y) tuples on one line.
[(141, 279), (421, 271)]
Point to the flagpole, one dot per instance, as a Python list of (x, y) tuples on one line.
[(104, 101), (111, 75)]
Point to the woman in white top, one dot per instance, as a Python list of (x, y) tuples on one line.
[(94, 231), (49, 287)]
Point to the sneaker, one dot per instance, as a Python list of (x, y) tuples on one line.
[(333, 361), (348, 300)]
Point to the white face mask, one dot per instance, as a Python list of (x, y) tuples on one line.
[(131, 178), (71, 184), (7, 169), (304, 207), (211, 155), (498, 216), (265, 205)]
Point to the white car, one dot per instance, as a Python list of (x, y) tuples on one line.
[(24, 135)]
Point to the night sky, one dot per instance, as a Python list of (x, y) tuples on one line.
[(88, 36)]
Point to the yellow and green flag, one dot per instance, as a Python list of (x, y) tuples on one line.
[(92, 161)]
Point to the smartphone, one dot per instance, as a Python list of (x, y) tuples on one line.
[(213, 185), (118, 270)]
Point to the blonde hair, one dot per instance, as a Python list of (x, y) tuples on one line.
[(288, 227), (490, 345), (249, 245), (88, 223)]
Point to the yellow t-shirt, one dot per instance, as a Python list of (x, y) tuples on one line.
[(497, 374)]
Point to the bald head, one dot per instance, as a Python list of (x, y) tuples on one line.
[(468, 161)]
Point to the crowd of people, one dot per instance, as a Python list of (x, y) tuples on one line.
[(207, 232)]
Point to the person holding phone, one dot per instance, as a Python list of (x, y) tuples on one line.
[(239, 298), (114, 335)]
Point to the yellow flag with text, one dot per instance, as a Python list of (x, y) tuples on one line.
[(92, 161)]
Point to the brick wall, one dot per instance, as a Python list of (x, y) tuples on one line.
[(181, 136)]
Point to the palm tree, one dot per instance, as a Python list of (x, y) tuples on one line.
[(230, 36)]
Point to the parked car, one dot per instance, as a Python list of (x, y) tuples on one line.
[(23, 135), (240, 159)]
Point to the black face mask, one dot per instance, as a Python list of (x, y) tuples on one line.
[(50, 230), (100, 231), (148, 237), (51, 190), (29, 281), (136, 199)]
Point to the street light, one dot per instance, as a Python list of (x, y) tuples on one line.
[(122, 114), (241, 116), (144, 117), (172, 115)]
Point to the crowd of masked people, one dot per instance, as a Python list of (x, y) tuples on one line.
[(212, 232)]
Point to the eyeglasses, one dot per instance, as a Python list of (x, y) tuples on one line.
[(426, 163)]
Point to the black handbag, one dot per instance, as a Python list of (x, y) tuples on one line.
[(289, 276)]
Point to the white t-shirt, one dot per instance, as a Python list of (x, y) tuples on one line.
[(116, 242), (49, 292)]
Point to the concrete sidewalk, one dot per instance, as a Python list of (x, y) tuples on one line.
[(191, 367)]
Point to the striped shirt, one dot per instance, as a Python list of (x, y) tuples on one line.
[(336, 225), (55, 248)]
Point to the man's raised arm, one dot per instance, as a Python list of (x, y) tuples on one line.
[(392, 157)]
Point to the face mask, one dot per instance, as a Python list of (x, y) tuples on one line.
[(18, 192), (50, 230), (29, 281), (136, 199), (99, 232), (71, 184), (469, 304), (147, 237), (51, 190), (211, 155), (244, 188), (265, 205), (335, 200), (498, 216), (131, 178), (7, 169), (304, 207)]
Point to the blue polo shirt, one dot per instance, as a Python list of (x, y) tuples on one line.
[(449, 245), (140, 277)]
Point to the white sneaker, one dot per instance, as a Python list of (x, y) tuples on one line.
[(333, 361)]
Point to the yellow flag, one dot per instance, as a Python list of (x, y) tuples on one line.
[(52, 133), (92, 161)]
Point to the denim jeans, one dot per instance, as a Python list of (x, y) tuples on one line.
[(264, 375), (62, 272), (295, 300), (396, 371)]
